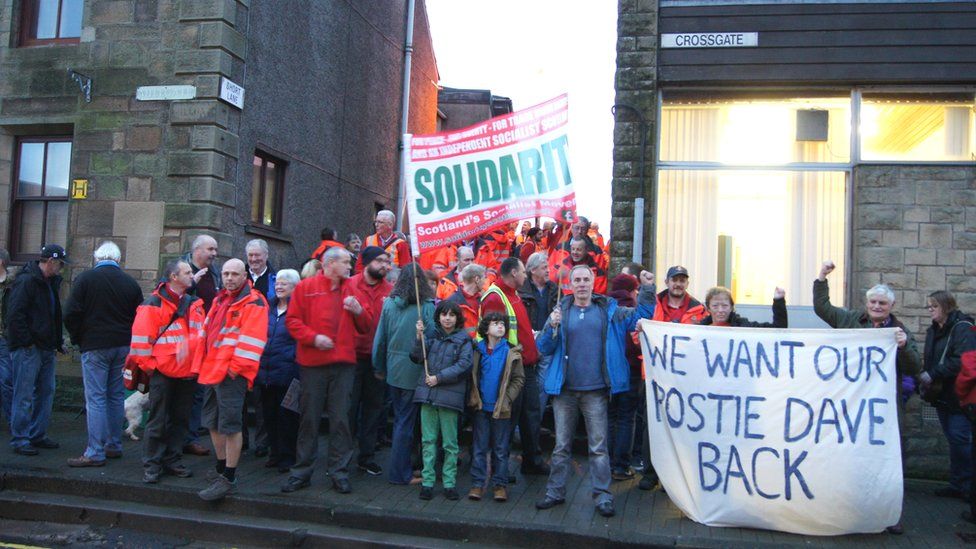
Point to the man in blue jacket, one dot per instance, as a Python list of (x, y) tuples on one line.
[(586, 334)]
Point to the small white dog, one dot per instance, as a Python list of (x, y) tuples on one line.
[(135, 405)]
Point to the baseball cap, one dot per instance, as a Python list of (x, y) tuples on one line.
[(53, 251), (677, 270)]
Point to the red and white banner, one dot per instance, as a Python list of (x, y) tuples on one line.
[(466, 182)]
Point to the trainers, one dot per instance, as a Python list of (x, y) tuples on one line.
[(371, 468), (499, 493), (451, 494), (220, 489), (622, 473), (294, 484), (476, 493), (150, 477), (426, 493), (85, 461)]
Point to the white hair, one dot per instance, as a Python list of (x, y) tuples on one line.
[(388, 214), (333, 254), (578, 267), (202, 240), (882, 290), (257, 243), (468, 248), (289, 275), (108, 251), (472, 272), (536, 260)]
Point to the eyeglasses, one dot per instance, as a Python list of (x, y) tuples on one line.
[(931, 307)]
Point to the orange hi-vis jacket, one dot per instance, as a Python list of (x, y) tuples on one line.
[(440, 260), (158, 343), (240, 340), (323, 246), (398, 249), (565, 267)]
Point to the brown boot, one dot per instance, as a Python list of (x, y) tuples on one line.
[(476, 493), (500, 493)]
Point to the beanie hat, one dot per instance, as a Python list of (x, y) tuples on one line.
[(369, 253)]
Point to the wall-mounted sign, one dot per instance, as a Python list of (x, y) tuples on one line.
[(231, 93), (79, 189), (165, 93), (710, 40)]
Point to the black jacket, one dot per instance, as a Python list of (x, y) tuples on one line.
[(530, 298), (962, 339), (449, 359), (101, 308), (33, 314), (779, 318), (213, 272)]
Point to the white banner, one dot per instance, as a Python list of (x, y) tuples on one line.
[(790, 430)]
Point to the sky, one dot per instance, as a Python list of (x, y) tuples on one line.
[(532, 51)]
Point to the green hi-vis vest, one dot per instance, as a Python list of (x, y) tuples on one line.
[(512, 322)]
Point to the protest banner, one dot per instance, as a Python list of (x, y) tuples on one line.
[(466, 182), (790, 430)]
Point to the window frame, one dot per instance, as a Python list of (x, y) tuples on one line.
[(279, 190), (28, 26), (16, 214)]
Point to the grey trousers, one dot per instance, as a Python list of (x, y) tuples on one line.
[(566, 409), (329, 388)]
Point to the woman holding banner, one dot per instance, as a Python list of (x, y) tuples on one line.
[(880, 300), (721, 310), (949, 336)]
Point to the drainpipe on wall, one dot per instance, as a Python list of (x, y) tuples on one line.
[(638, 243), (405, 115)]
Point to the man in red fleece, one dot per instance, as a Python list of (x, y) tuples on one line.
[(502, 297), (370, 288), (323, 317), (236, 330)]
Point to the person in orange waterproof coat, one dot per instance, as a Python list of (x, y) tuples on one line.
[(578, 256), (236, 331), (329, 240), (166, 337)]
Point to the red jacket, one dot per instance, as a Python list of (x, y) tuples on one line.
[(239, 340), (316, 308), (398, 250), (966, 380), (491, 302), (691, 312), (158, 344), (371, 298)]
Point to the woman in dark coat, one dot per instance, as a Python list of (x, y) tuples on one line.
[(278, 369), (721, 310), (949, 336)]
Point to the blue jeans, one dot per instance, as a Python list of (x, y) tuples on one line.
[(541, 368), (101, 371), (621, 416), (566, 408), (404, 421), (33, 396), (958, 432), (6, 380), (494, 435)]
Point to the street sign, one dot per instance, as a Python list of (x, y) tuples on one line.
[(231, 93), (165, 93), (710, 40)]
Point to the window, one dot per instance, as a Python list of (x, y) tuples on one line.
[(918, 127), (752, 192), (40, 195), (267, 188), (51, 22)]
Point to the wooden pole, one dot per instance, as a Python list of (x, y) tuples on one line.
[(420, 315)]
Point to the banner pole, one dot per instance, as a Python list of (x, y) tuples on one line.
[(416, 289)]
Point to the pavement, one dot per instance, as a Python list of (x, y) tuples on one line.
[(377, 513)]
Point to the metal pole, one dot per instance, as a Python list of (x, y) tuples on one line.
[(637, 250), (405, 109)]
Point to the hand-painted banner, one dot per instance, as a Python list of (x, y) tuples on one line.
[(791, 430), (465, 182)]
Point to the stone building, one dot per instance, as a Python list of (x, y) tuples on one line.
[(315, 142), (784, 133)]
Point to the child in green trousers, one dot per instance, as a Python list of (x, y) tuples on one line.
[(441, 393)]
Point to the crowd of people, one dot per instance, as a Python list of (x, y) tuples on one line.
[(481, 336)]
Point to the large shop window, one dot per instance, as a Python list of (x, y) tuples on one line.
[(40, 195), (918, 127), (51, 22), (752, 193), (267, 189)]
